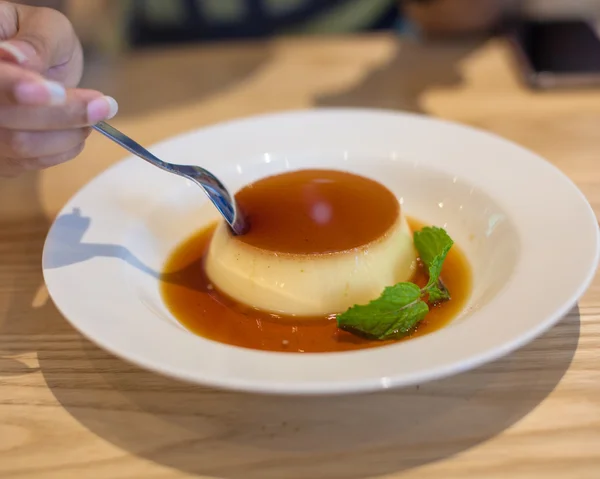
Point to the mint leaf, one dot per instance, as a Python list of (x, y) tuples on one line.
[(401, 307), (395, 313), (433, 244), (437, 293)]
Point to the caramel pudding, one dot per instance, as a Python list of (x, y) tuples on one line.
[(320, 241)]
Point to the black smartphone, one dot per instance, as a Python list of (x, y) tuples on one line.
[(558, 53)]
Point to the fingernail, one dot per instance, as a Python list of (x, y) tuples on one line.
[(8, 51), (103, 108), (40, 92)]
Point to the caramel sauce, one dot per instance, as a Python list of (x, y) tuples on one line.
[(316, 211), (282, 215)]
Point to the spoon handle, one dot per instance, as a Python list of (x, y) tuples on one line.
[(130, 145)]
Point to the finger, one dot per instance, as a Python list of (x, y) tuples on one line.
[(18, 85), (11, 167), (81, 108), (34, 144), (38, 38)]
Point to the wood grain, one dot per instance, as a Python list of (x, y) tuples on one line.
[(68, 409)]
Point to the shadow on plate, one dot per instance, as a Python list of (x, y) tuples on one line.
[(65, 246), (234, 436)]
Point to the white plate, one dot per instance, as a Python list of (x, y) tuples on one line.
[(528, 232)]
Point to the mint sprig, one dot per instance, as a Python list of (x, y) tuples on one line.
[(433, 244), (402, 306), (393, 314)]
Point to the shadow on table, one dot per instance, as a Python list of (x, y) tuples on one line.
[(25, 311), (187, 74), (238, 436), (400, 84), (234, 436)]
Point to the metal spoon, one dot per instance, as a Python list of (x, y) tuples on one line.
[(211, 185)]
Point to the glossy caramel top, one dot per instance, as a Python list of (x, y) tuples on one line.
[(316, 211)]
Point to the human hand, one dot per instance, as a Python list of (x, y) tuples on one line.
[(44, 119)]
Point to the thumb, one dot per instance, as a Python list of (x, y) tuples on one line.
[(36, 38)]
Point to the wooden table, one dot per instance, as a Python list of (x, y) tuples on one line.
[(69, 409)]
